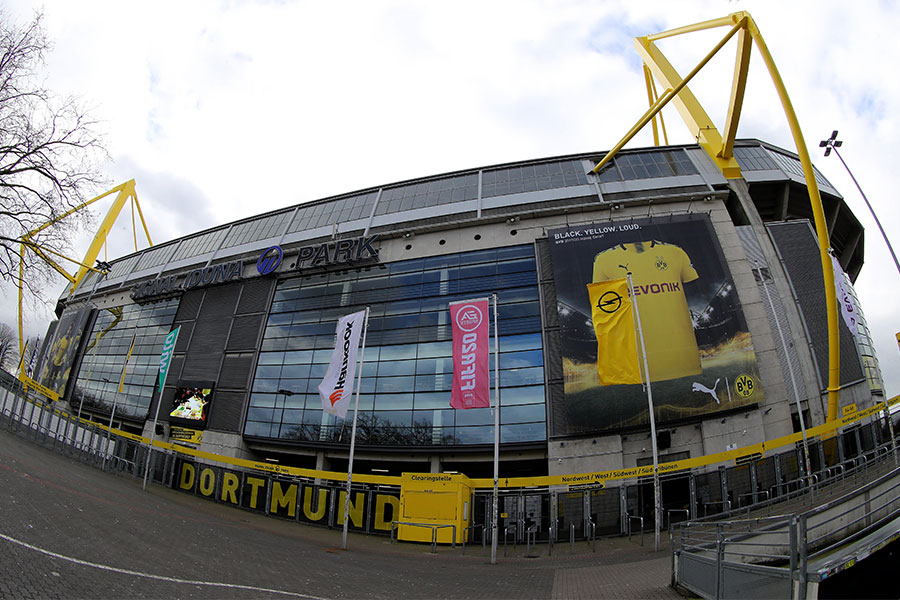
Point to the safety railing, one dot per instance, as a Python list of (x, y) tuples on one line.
[(434, 527), (87, 442), (474, 528), (770, 553), (638, 519)]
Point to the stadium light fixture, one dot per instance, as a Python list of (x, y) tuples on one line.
[(833, 143)]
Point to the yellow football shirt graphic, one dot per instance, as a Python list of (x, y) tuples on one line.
[(613, 319), (659, 271)]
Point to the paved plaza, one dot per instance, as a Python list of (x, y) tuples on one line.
[(71, 531)]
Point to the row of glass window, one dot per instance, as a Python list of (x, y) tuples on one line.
[(446, 417), (446, 190), (407, 373), (200, 244), (416, 435), (258, 229), (420, 400), (104, 358)]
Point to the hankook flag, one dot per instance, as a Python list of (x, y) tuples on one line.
[(337, 386), (613, 316), (471, 368)]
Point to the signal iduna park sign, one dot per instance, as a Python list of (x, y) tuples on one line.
[(172, 284)]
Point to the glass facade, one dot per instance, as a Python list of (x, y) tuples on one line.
[(428, 193), (332, 212), (530, 178), (406, 376), (107, 348), (200, 244), (257, 229), (647, 165)]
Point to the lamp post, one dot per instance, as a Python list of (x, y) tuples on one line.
[(830, 144), (833, 143)]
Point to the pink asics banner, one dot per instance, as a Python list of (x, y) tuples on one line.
[(471, 369)]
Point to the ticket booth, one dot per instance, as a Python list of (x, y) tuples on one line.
[(430, 499)]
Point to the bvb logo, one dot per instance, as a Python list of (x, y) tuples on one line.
[(610, 302), (661, 263), (744, 385)]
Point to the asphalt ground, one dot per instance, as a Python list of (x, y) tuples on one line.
[(68, 530)]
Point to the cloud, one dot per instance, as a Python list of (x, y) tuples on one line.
[(235, 108)]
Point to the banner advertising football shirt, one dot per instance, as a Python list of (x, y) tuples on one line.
[(699, 352), (471, 331), (659, 272)]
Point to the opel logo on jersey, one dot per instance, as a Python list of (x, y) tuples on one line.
[(269, 260), (610, 302)]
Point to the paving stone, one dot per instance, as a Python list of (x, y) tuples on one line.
[(92, 534)]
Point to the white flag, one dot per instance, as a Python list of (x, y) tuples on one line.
[(849, 310), (337, 386)]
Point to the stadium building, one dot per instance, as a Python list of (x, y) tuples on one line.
[(726, 272)]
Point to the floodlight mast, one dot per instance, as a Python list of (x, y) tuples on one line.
[(124, 192), (833, 143), (720, 148)]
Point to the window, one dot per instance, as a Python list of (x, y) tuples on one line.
[(406, 375)]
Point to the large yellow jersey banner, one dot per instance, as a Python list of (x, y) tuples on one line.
[(613, 316), (700, 357)]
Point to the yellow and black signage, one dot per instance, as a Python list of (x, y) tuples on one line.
[(183, 435), (370, 511)]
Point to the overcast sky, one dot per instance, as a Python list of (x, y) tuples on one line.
[(222, 110)]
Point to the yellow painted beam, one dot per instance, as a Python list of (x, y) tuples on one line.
[(738, 87), (695, 117), (651, 98), (834, 355), (729, 166), (125, 191)]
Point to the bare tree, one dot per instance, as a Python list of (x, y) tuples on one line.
[(9, 350), (50, 156)]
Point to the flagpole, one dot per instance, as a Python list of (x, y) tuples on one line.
[(353, 433), (496, 499), (112, 416), (164, 363), (657, 512)]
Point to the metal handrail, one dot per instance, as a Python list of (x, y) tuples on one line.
[(434, 529), (530, 538), (630, 518), (592, 536), (465, 535), (726, 504)]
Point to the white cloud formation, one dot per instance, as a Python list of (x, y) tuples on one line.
[(221, 110)]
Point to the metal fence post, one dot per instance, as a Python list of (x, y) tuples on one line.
[(720, 553), (802, 546), (793, 530)]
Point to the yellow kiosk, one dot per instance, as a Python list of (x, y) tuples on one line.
[(430, 503)]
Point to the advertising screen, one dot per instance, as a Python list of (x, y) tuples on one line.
[(698, 349), (191, 404)]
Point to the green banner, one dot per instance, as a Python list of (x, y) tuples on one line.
[(165, 358)]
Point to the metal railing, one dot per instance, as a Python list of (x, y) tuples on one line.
[(86, 441), (434, 527), (778, 556), (640, 520)]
